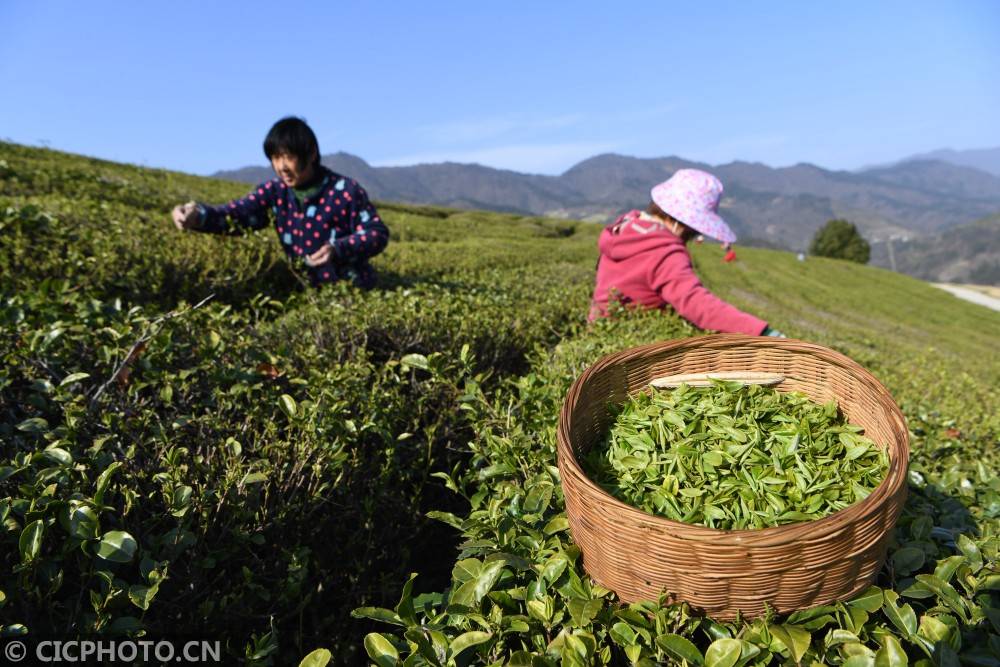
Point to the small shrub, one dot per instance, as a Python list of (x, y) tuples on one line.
[(840, 239)]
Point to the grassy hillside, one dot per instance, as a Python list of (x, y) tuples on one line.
[(258, 467)]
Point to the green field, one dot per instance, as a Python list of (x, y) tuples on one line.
[(270, 467)]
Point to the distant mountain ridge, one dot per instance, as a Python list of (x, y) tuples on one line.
[(780, 207), (963, 254), (984, 159)]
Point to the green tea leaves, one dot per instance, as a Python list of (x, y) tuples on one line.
[(103, 480), (735, 457), (79, 520)]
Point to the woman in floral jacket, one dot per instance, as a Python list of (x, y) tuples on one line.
[(321, 217)]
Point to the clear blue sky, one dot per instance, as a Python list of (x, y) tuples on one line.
[(533, 86)]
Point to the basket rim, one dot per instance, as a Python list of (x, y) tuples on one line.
[(895, 475)]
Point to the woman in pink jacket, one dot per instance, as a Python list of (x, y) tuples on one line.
[(644, 260)]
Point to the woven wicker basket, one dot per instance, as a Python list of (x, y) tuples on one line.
[(722, 573)]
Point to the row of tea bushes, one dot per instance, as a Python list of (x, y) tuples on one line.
[(265, 461), (208, 464), (290, 449)]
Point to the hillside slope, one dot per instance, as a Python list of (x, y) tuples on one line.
[(256, 468)]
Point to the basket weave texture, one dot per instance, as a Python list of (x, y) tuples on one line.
[(722, 573)]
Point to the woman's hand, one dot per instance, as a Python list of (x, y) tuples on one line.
[(186, 216), (321, 256)]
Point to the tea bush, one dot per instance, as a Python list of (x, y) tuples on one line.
[(256, 466)]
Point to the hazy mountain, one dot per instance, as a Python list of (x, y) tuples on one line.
[(964, 254), (942, 178), (984, 159), (765, 205), (446, 184)]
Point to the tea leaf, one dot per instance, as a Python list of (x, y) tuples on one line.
[(679, 648), (870, 600), (945, 591), (31, 540), (908, 559), (103, 480), (584, 611), (378, 614), (971, 552), (415, 361), (381, 650), (73, 377), (891, 654), (903, 617), (933, 629), (141, 596), (287, 405), (795, 639), (723, 653), (33, 425), (319, 658), (468, 640), (117, 546)]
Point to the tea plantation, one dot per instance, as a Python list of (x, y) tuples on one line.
[(191, 444)]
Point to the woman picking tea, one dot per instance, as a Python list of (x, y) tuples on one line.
[(645, 262)]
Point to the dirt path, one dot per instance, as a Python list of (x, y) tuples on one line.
[(971, 295)]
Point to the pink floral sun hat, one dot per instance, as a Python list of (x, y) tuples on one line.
[(692, 197)]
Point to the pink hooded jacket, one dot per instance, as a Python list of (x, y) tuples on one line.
[(644, 263)]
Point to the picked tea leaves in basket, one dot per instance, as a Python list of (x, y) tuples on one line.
[(732, 455)]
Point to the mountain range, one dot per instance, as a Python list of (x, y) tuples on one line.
[(914, 199), (984, 159), (963, 254)]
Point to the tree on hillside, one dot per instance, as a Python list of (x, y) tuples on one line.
[(840, 239)]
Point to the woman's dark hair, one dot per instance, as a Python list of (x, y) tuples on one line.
[(292, 136), (686, 232), (653, 209)]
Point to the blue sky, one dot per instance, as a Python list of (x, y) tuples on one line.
[(530, 86)]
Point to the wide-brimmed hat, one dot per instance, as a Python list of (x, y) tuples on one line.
[(692, 196)]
